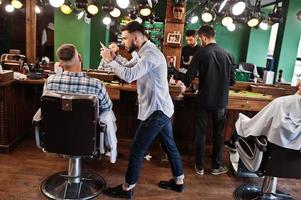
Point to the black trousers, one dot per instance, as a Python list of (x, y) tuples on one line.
[(218, 122)]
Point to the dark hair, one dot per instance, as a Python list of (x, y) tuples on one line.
[(207, 31), (190, 32), (66, 52), (133, 26)]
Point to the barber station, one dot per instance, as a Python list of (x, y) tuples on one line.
[(150, 99)]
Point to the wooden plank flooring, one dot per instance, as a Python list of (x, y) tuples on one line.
[(22, 171)]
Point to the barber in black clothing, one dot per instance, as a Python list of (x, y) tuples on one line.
[(214, 65), (190, 49)]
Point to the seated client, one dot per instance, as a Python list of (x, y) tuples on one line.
[(74, 81), (279, 121)]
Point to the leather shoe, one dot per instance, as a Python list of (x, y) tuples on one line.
[(118, 192), (171, 185)]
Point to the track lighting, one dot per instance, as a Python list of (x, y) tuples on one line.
[(106, 20), (9, 8), (38, 9), (145, 10), (66, 8), (194, 19), (56, 3), (253, 19), (231, 27), (123, 4), (208, 15), (16, 4), (227, 20), (92, 9), (264, 25), (115, 12), (238, 8)]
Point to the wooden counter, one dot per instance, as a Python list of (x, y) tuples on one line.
[(19, 100)]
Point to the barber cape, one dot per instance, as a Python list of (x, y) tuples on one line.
[(279, 121), (109, 140)]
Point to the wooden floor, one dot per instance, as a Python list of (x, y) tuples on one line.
[(22, 171)]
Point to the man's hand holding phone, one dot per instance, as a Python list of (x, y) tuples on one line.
[(107, 54)]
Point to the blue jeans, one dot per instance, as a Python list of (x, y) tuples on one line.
[(157, 124)]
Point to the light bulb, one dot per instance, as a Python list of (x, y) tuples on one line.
[(106, 20), (16, 4), (9, 8), (56, 3), (145, 11), (194, 19), (264, 25), (123, 3), (115, 13), (37, 9), (253, 22), (238, 8), (66, 9), (92, 9), (231, 27), (227, 20), (207, 17)]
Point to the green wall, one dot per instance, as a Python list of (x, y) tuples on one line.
[(98, 33), (70, 30), (291, 37), (258, 46)]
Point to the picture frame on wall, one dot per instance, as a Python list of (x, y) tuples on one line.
[(174, 38)]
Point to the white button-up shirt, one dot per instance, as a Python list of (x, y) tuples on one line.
[(150, 71)]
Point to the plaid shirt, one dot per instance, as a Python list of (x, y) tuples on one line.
[(79, 83)]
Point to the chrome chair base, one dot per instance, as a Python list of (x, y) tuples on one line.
[(253, 192), (60, 186)]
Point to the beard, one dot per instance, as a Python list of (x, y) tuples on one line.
[(132, 48)]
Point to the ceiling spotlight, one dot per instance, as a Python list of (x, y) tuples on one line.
[(253, 20), (56, 3), (194, 19), (123, 4), (145, 10), (92, 9), (115, 12), (227, 20), (37, 9), (80, 15), (9, 8), (66, 8), (231, 27), (16, 4), (264, 25), (238, 8), (106, 20), (299, 15), (208, 15)]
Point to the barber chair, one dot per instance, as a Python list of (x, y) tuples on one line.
[(68, 124), (266, 160)]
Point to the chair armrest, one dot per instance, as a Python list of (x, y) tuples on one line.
[(251, 151)]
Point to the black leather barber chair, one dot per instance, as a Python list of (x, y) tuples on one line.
[(68, 125), (269, 161)]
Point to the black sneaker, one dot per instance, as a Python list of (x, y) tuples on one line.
[(118, 192), (230, 146), (220, 170), (171, 185)]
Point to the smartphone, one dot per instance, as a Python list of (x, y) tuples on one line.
[(102, 45)]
